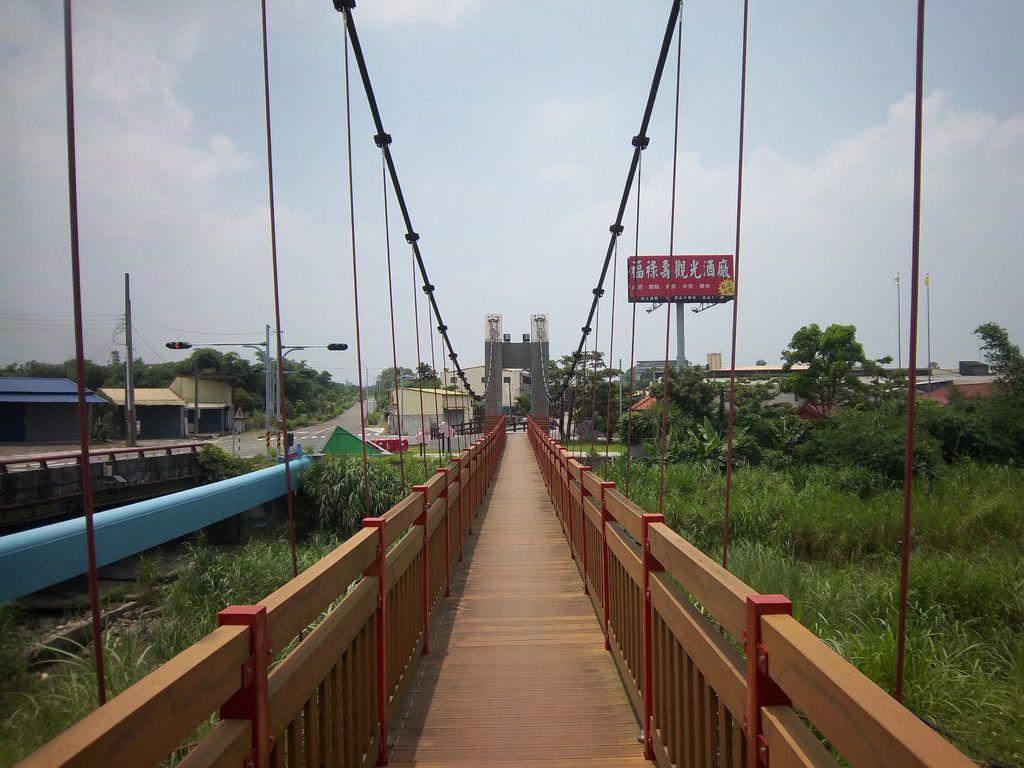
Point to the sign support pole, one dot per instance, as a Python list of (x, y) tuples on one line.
[(680, 335)]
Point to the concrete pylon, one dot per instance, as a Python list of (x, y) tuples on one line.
[(529, 355)]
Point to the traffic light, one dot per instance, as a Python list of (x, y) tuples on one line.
[(337, 347), (178, 345)]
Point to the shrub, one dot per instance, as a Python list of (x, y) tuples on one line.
[(217, 464), (332, 500)]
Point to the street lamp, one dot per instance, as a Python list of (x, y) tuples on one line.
[(270, 394)]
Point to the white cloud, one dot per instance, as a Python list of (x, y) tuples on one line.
[(822, 239)]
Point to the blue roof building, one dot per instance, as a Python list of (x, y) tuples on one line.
[(35, 410)]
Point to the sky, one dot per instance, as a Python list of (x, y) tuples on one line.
[(512, 124)]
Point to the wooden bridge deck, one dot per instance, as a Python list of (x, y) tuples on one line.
[(517, 673)]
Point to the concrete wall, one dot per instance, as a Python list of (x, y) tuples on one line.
[(42, 495)]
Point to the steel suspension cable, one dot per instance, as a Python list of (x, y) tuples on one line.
[(391, 309), (282, 400), (668, 304), (640, 142), (412, 237), (355, 286), (611, 348), (83, 409), (419, 367), (735, 295), (632, 333), (915, 273)]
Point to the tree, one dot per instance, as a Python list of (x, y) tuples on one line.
[(1003, 356), (831, 356), (522, 404), (588, 388)]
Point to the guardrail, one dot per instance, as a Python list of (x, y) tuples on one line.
[(43, 460), (674, 621), (328, 699)]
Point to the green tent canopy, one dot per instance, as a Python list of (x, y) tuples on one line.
[(344, 443)]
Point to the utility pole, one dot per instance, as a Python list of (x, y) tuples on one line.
[(129, 379), (268, 388), (195, 434), (899, 325)]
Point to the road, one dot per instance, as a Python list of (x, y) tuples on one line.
[(311, 438)]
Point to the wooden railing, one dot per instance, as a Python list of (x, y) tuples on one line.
[(675, 622), (72, 458), (329, 698)]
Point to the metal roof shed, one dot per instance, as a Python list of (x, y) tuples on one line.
[(38, 410)]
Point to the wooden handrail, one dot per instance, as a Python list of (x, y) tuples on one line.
[(325, 685), (702, 691)]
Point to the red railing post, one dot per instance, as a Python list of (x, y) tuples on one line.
[(605, 602), (762, 691), (583, 531), (379, 568), (421, 519), (650, 564), (250, 701), (457, 461)]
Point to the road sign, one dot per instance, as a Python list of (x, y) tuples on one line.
[(239, 416)]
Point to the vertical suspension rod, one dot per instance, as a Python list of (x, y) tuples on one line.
[(83, 409), (915, 275), (282, 400), (735, 295)]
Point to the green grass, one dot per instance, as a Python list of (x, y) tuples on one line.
[(39, 705), (829, 540), (583, 446)]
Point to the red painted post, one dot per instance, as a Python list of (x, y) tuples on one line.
[(606, 602), (421, 519), (583, 531), (250, 702), (379, 569), (649, 565), (572, 538), (457, 462), (762, 691)]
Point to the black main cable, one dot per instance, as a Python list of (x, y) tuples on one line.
[(383, 140), (640, 142)]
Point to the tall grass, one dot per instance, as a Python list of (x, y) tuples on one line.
[(828, 538)]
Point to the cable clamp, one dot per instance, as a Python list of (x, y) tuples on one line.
[(428, 288), (616, 229), (442, 328), (341, 5), (599, 292), (382, 139), (412, 237), (641, 141), (586, 332)]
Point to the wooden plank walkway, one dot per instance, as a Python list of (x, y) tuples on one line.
[(517, 673)]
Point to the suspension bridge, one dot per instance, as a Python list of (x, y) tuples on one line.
[(515, 609)]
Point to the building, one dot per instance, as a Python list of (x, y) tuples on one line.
[(36, 410), (519, 380), (159, 412), (438, 405), (215, 402)]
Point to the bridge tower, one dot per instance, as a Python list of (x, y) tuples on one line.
[(531, 354)]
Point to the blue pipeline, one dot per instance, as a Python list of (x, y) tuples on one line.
[(38, 558)]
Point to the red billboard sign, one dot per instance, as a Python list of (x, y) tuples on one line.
[(706, 279)]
